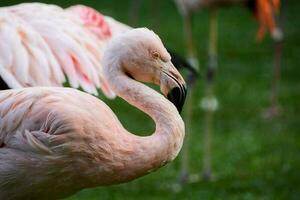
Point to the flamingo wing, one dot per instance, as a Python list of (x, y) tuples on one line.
[(16, 123), (37, 121), (104, 27), (22, 48), (55, 45), (37, 132)]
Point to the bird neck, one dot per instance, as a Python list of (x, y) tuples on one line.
[(145, 154)]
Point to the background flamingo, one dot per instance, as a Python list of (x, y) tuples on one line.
[(70, 140), (52, 43), (264, 11), (45, 45)]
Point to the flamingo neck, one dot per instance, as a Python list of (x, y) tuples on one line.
[(145, 154)]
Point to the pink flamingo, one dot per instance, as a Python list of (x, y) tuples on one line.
[(45, 45), (57, 141)]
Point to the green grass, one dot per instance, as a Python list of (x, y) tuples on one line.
[(253, 158)]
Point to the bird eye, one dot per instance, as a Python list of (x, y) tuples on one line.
[(155, 54)]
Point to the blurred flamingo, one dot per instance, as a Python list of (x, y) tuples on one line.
[(57, 141), (264, 11)]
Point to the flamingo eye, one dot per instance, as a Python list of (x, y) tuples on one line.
[(155, 54)]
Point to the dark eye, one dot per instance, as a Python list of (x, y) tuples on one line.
[(155, 54)]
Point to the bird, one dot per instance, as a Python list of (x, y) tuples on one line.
[(264, 11), (57, 46), (47, 46), (55, 141)]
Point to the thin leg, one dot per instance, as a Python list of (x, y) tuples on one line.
[(277, 35), (274, 110), (207, 171), (187, 23), (188, 116), (187, 27), (184, 171), (209, 102)]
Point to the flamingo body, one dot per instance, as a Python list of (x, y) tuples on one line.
[(46, 140), (60, 140)]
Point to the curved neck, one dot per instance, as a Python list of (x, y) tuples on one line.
[(150, 152)]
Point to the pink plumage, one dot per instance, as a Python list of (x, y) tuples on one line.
[(52, 44), (56, 141), (94, 20)]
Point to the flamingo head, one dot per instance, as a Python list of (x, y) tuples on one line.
[(143, 57)]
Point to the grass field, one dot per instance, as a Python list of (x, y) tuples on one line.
[(253, 158)]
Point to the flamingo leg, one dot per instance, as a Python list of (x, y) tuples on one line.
[(209, 102), (278, 46), (277, 36), (184, 171), (274, 110), (184, 176), (187, 24)]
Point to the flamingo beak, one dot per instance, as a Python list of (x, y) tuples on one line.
[(177, 97), (173, 85)]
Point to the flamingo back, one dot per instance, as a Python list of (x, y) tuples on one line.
[(54, 45), (93, 20)]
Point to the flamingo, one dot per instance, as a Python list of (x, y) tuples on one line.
[(47, 45), (264, 11), (55, 141)]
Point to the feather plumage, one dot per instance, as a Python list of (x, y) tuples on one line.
[(51, 43)]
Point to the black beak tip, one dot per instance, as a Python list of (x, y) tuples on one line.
[(177, 97)]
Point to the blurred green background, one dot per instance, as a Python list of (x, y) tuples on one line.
[(253, 158)]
